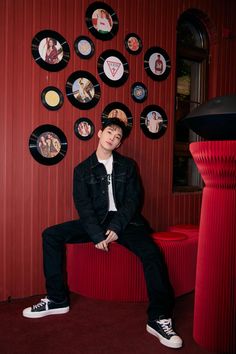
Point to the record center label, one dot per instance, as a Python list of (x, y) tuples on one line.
[(113, 68)]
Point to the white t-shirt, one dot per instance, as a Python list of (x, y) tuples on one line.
[(109, 166)]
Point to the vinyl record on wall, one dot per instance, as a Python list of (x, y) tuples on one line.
[(133, 43), (52, 98), (113, 68), (157, 63), (153, 121), (101, 20), (139, 92), (48, 144), (50, 50), (84, 47), (84, 128), (83, 90)]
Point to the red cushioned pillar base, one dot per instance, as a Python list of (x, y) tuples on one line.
[(214, 311)]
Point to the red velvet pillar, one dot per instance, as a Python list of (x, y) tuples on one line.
[(215, 294)]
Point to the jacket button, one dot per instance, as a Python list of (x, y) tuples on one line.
[(103, 192)]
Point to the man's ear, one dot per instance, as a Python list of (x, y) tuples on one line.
[(99, 133)]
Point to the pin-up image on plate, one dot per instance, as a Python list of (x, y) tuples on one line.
[(133, 43), (139, 92), (153, 121), (118, 110), (101, 20), (48, 144), (83, 89), (84, 128), (50, 50), (84, 47), (157, 63), (113, 68), (52, 98)]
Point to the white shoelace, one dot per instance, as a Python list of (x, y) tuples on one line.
[(43, 302), (167, 326)]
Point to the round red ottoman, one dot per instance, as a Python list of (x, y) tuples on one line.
[(118, 274), (189, 229), (114, 275)]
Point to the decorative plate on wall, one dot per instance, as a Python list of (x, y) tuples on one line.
[(101, 20), (133, 43), (153, 121), (113, 68), (118, 110), (139, 92), (48, 144), (157, 63), (83, 90), (52, 98), (50, 50), (84, 47), (84, 128)]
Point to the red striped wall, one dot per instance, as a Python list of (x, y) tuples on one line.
[(33, 196)]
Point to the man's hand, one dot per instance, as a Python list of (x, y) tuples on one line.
[(111, 236), (103, 245)]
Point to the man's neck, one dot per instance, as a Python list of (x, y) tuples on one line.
[(103, 154)]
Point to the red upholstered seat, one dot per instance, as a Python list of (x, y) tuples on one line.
[(190, 230), (169, 236), (118, 274)]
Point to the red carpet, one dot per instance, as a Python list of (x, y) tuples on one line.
[(91, 327)]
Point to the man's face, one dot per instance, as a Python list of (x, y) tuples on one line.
[(110, 137)]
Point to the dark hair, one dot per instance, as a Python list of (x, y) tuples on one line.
[(118, 122)]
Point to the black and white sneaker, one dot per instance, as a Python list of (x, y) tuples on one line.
[(162, 329), (46, 307)]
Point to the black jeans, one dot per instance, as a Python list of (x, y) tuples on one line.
[(135, 238)]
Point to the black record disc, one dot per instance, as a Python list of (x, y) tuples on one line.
[(83, 89), (50, 50), (48, 144), (113, 68), (157, 63), (52, 98), (133, 43), (101, 20), (153, 121), (84, 47), (139, 92)]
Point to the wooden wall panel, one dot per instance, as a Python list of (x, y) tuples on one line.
[(34, 196)]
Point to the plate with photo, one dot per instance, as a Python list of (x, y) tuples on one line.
[(153, 121), (157, 63), (139, 92), (48, 144), (84, 128), (52, 98), (118, 110), (113, 68), (133, 43), (50, 50), (101, 20), (83, 90), (84, 47)]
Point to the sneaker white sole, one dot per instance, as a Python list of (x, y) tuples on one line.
[(29, 314), (164, 341)]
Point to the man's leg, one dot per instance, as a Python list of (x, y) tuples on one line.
[(54, 240), (160, 291)]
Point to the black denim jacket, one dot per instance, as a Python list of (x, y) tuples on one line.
[(90, 194)]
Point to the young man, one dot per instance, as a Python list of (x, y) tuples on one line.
[(107, 195)]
